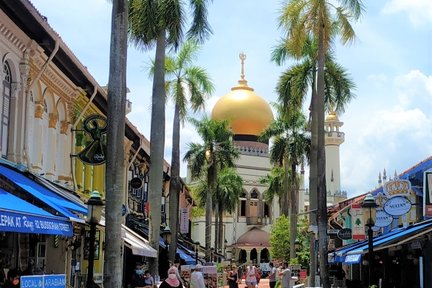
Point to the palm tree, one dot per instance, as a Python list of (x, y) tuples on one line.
[(115, 149), (321, 20), (206, 159), (291, 146), (186, 84), (229, 186), (274, 183), (292, 88), (161, 23)]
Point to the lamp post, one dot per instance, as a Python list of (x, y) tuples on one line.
[(297, 246), (197, 244), (369, 204), (94, 212), (166, 235)]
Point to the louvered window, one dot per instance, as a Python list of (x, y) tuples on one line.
[(5, 107)]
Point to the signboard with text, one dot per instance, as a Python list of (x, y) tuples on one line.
[(43, 281), (23, 223)]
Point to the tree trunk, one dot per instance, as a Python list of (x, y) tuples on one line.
[(285, 195), (221, 239), (217, 223), (322, 191), (293, 212), (115, 165), (175, 185), (157, 144), (313, 189), (211, 179)]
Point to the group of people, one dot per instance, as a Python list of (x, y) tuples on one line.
[(280, 275)]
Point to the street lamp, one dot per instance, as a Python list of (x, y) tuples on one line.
[(297, 245), (197, 245), (94, 212), (370, 204), (166, 235)]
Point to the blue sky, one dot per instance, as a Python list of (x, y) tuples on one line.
[(388, 125)]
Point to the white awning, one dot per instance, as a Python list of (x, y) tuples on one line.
[(137, 243), (134, 241)]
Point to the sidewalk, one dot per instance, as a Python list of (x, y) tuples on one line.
[(264, 283)]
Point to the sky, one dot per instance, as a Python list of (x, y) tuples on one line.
[(387, 126)]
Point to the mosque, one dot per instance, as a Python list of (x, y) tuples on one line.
[(247, 230)]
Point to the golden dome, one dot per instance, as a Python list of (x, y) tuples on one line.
[(332, 117), (248, 113)]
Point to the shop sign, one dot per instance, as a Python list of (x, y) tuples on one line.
[(397, 206), (345, 234), (358, 228), (184, 220), (95, 126), (136, 183), (20, 223), (427, 196), (382, 218)]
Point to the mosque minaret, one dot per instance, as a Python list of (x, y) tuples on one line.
[(333, 139)]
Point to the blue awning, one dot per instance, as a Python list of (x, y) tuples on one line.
[(395, 236), (17, 215), (50, 198)]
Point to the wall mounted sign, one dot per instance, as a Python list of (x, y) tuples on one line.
[(136, 183), (95, 152), (397, 206), (345, 234), (357, 224), (382, 218)]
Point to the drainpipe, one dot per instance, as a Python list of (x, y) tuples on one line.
[(75, 124), (27, 108)]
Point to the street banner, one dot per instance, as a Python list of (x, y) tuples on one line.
[(43, 281), (358, 227)]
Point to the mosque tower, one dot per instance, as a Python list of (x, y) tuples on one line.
[(333, 139)]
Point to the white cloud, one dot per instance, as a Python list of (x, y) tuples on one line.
[(419, 11)]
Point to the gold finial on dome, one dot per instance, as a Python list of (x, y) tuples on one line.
[(242, 57)]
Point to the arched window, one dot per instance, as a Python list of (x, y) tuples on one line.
[(5, 107), (243, 204)]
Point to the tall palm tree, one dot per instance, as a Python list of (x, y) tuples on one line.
[(115, 149), (229, 186), (291, 145), (161, 24), (292, 88), (323, 20), (207, 158), (274, 183), (186, 84)]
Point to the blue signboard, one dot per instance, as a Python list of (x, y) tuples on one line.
[(43, 281), (27, 223)]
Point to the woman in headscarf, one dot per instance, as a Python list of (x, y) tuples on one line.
[(172, 280)]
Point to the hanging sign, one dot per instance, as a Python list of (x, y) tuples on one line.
[(345, 234), (95, 152), (184, 220), (427, 196), (382, 218), (358, 228), (397, 206)]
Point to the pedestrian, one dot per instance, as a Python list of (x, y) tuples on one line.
[(148, 279), (171, 281), (258, 275), (233, 277), (251, 280), (13, 279), (138, 280), (285, 276), (272, 275), (197, 278)]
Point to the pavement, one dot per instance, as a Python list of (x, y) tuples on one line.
[(264, 283)]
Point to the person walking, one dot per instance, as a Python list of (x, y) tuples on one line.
[(285, 276), (171, 281), (272, 275), (251, 280), (197, 278), (233, 277)]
